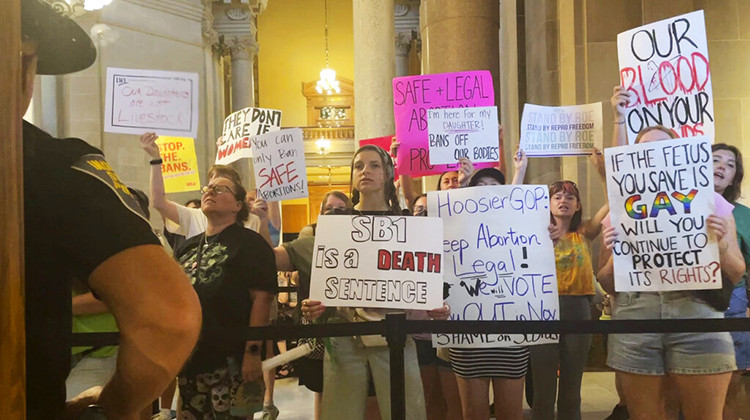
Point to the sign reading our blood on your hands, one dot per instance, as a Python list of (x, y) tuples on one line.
[(665, 66), (413, 96)]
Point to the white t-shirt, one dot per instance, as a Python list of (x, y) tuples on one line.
[(193, 222)]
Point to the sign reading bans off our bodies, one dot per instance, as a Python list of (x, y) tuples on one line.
[(180, 166), (660, 194), (239, 127), (664, 66), (279, 165), (561, 130), (455, 133), (499, 260), (378, 262), (150, 100), (413, 96)]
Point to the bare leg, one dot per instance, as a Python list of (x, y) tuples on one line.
[(373, 411), (702, 396), (644, 394), (508, 398), (450, 393), (433, 393), (318, 402), (730, 405), (475, 397), (168, 395)]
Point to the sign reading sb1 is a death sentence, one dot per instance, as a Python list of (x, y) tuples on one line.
[(660, 194), (150, 100), (499, 260), (239, 127), (665, 66), (279, 165), (561, 130), (378, 262), (180, 164), (455, 133), (413, 96)]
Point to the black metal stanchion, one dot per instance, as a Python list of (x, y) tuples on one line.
[(395, 334)]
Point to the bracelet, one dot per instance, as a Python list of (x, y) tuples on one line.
[(156, 161), (253, 349), (619, 122)]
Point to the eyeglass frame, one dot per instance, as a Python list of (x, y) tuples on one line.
[(214, 189)]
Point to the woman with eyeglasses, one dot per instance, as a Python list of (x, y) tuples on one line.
[(234, 274)]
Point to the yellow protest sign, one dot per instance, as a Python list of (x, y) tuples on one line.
[(180, 167)]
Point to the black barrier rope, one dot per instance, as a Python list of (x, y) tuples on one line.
[(395, 328)]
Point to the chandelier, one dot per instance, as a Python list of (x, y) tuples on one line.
[(327, 82)]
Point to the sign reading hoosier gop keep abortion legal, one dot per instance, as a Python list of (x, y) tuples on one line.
[(150, 100), (180, 166), (378, 262), (665, 66), (660, 194), (455, 133), (413, 96), (561, 130), (279, 165), (499, 260), (239, 127)]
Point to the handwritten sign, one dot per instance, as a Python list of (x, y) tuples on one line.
[(561, 130), (660, 194), (665, 66), (499, 260), (463, 132), (239, 126), (279, 165), (150, 100), (378, 262), (413, 96), (180, 167)]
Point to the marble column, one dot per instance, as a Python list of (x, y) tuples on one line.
[(403, 45), (242, 51), (374, 68)]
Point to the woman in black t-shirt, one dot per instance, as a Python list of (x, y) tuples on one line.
[(234, 274)]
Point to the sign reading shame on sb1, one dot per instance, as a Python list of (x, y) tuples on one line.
[(279, 165), (455, 133), (660, 194), (665, 66), (150, 100), (378, 262), (180, 166), (499, 260), (239, 126), (561, 130), (413, 96)]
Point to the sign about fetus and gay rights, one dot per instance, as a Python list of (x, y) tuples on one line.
[(414, 96), (499, 260), (138, 101), (180, 164), (456, 133), (240, 127), (664, 66), (660, 195), (378, 262), (279, 165), (561, 130)]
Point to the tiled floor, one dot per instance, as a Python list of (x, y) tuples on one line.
[(598, 394)]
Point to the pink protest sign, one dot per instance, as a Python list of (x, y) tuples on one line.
[(414, 95)]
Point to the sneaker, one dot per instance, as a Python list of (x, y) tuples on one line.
[(620, 412), (270, 412)]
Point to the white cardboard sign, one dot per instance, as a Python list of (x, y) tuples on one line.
[(561, 130), (454, 133), (239, 127), (279, 165)]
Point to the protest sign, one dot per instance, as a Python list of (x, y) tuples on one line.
[(499, 260), (150, 100), (413, 96), (378, 262), (664, 66), (455, 133), (660, 194), (279, 165), (180, 166), (561, 130), (239, 126)]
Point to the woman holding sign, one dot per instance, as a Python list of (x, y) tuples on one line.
[(728, 174), (350, 360), (695, 367)]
